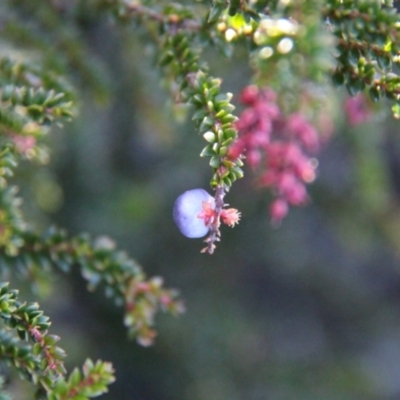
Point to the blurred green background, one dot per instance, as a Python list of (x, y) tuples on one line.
[(307, 311)]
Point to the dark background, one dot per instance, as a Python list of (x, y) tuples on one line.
[(307, 311)]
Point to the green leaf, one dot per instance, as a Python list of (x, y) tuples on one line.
[(375, 93), (384, 61), (206, 124), (207, 152), (216, 12), (215, 162), (199, 114), (75, 377), (249, 13), (228, 119), (354, 86), (338, 78), (238, 172), (166, 58), (223, 150), (396, 111), (36, 349), (227, 181), (233, 7)]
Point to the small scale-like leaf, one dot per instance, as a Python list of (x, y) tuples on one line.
[(206, 124), (354, 86), (166, 58), (215, 162), (209, 136), (216, 12), (384, 61), (75, 377), (375, 93)]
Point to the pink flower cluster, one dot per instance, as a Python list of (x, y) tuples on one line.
[(277, 145)]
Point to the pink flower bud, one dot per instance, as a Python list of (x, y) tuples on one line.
[(297, 194), (235, 149), (247, 119), (278, 210), (249, 94)]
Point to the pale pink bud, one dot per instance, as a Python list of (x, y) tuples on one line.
[(165, 300), (230, 217), (142, 287), (23, 143)]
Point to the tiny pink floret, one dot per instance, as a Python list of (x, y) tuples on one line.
[(207, 213), (230, 217)]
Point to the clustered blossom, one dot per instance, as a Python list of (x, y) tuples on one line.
[(357, 109), (280, 146), (229, 216)]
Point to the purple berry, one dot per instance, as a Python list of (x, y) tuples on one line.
[(186, 212)]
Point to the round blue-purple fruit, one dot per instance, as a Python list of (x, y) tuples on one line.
[(187, 208)]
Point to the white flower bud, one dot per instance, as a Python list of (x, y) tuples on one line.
[(186, 212)]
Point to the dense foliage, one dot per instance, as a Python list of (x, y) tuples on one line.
[(299, 53)]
